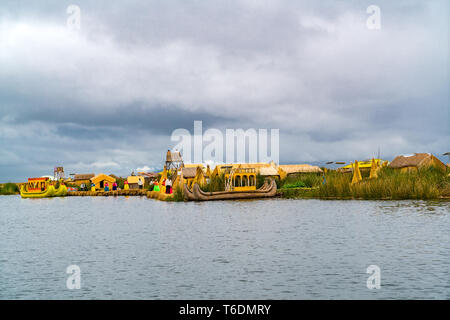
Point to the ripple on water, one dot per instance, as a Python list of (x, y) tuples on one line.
[(281, 249)]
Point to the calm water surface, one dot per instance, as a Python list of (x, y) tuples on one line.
[(137, 248)]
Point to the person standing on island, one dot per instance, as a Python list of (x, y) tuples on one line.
[(168, 186), (140, 183), (151, 185), (156, 187)]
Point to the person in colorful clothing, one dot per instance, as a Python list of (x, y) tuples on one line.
[(168, 186), (156, 187)]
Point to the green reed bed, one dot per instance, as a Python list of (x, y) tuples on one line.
[(9, 188), (430, 183)]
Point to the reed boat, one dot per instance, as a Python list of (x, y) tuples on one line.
[(37, 188), (61, 191), (268, 190)]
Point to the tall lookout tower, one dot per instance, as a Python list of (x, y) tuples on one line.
[(174, 161), (58, 173)]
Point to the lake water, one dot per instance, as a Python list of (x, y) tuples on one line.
[(138, 248)]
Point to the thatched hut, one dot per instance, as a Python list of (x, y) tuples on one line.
[(101, 179), (416, 161), (149, 176), (269, 172), (297, 169), (133, 182), (188, 175), (85, 178)]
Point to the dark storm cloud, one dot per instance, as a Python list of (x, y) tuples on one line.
[(77, 119), (137, 70)]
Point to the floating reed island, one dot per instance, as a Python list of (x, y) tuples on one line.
[(108, 193), (419, 176)]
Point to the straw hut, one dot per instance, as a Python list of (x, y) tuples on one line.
[(416, 161), (85, 178), (101, 179), (298, 169), (148, 176), (269, 172), (133, 181), (188, 175)]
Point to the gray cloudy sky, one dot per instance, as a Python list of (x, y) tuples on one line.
[(106, 98)]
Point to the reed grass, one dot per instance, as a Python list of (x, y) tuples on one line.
[(177, 195), (304, 180), (9, 188), (215, 184), (429, 183)]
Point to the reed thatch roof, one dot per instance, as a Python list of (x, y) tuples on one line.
[(300, 168), (194, 165), (257, 165), (268, 171), (174, 156), (135, 179), (417, 160), (189, 173), (101, 177), (83, 176), (148, 174)]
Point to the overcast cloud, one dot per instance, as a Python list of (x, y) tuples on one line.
[(106, 98)]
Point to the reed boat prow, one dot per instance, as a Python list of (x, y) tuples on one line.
[(61, 191), (188, 195)]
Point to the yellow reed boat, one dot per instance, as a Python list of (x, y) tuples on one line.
[(37, 188), (61, 191)]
